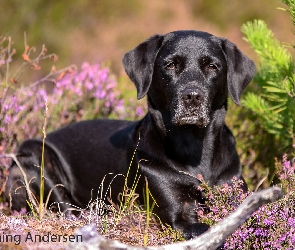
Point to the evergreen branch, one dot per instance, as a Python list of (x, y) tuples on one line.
[(275, 81), (291, 9), (272, 54)]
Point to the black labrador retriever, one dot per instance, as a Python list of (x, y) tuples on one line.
[(186, 76)]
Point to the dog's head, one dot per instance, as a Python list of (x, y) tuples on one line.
[(188, 74)]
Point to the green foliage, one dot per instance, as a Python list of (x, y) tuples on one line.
[(274, 97), (291, 10)]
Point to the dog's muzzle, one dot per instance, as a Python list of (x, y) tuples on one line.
[(192, 108)]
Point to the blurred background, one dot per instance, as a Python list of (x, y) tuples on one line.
[(103, 30)]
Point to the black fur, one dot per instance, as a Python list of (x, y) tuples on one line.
[(187, 76)]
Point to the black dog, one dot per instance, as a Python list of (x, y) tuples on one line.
[(186, 76)]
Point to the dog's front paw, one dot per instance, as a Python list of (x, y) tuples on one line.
[(194, 230)]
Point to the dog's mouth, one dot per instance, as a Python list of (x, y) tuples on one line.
[(199, 120), (193, 120)]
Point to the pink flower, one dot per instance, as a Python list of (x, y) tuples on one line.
[(139, 111)]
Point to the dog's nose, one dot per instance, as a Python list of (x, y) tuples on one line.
[(192, 97)]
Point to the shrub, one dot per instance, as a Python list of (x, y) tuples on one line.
[(71, 95), (265, 126), (274, 101), (270, 227)]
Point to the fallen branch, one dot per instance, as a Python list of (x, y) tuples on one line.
[(212, 239)]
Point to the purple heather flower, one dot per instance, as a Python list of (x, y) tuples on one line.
[(120, 105), (88, 85), (139, 111), (291, 223), (111, 85), (100, 94), (15, 105), (104, 74), (7, 119), (78, 91), (6, 107), (268, 221), (107, 104), (42, 93)]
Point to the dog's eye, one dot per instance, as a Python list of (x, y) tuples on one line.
[(212, 66), (170, 65)]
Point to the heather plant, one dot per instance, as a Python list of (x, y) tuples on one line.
[(270, 227), (20, 102), (220, 205), (13, 107), (286, 173), (71, 95)]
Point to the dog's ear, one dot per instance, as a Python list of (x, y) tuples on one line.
[(240, 70), (139, 64)]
